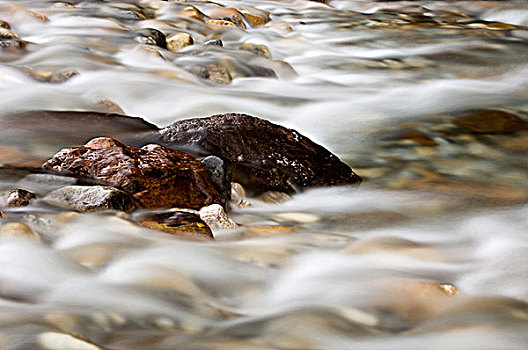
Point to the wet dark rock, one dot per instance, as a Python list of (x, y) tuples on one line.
[(264, 72), (261, 155), (2, 214), (4, 24), (91, 198), (491, 122), (156, 176), (17, 198), (64, 128), (151, 36), (215, 42), (176, 222), (220, 175)]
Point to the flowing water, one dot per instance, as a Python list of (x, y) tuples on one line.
[(431, 251)]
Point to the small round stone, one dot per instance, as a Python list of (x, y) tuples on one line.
[(220, 23), (216, 218), (17, 230), (215, 42), (151, 36), (237, 191), (178, 41), (19, 198)]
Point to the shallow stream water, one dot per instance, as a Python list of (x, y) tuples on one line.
[(431, 251)]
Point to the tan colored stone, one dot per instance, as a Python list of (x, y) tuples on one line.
[(260, 50), (257, 231), (491, 122), (419, 137), (110, 106), (188, 232), (226, 14), (18, 230), (220, 23), (6, 34), (216, 218), (15, 9), (275, 197), (242, 203), (395, 245), (418, 300), (477, 192), (191, 12), (517, 144), (237, 191), (67, 217), (254, 20), (178, 41)]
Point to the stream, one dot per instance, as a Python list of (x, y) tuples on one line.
[(429, 252)]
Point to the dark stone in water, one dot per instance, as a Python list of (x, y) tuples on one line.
[(151, 36), (91, 198), (156, 176), (261, 155), (65, 128), (215, 42), (220, 175)]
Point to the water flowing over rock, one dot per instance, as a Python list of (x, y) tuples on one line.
[(91, 198), (156, 176), (72, 127), (261, 155)]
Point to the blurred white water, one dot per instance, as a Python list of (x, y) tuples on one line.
[(356, 271)]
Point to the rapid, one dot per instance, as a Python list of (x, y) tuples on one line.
[(429, 252)]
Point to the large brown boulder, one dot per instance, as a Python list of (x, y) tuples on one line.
[(261, 155), (156, 176)]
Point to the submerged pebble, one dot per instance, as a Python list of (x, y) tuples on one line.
[(17, 230)]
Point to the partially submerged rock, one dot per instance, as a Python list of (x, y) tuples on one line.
[(183, 223), (156, 176), (16, 198), (63, 128), (91, 198), (491, 122), (220, 175), (261, 155), (18, 230), (216, 218)]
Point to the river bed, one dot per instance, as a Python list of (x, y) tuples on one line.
[(431, 251)]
